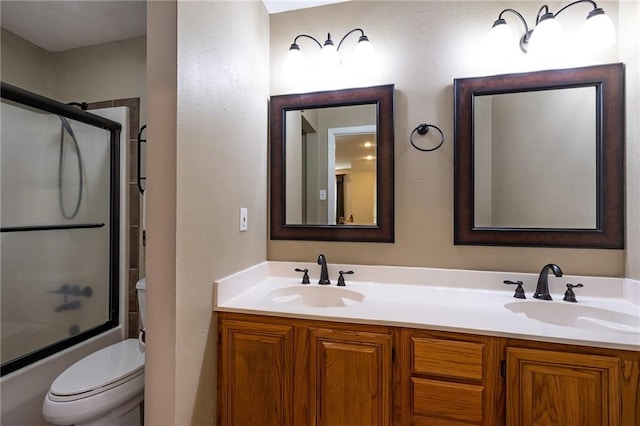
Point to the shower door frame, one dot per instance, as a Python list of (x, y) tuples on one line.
[(33, 100)]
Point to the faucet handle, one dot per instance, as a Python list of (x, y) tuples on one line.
[(305, 277), (569, 295), (519, 294), (341, 282)]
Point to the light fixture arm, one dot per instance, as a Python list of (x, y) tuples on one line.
[(515, 12), (362, 37), (329, 58), (295, 40), (593, 3), (527, 32), (600, 31), (543, 11)]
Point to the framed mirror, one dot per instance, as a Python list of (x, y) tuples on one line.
[(539, 158), (332, 165)]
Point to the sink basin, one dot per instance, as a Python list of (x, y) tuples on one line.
[(576, 315), (316, 296)]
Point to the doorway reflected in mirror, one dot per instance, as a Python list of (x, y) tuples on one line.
[(332, 165)]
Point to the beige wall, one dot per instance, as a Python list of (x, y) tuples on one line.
[(26, 65), (106, 71), (629, 48), (221, 165), (422, 47), (114, 70), (160, 356)]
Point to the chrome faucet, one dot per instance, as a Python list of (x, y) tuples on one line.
[(324, 274), (542, 289)]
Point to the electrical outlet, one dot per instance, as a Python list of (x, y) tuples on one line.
[(243, 219), (323, 194)]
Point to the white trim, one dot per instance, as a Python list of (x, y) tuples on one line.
[(331, 162)]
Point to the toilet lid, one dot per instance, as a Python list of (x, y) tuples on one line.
[(100, 370)]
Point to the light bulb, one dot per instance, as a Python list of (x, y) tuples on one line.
[(500, 38), (598, 31), (294, 61), (329, 60), (364, 53), (547, 39)]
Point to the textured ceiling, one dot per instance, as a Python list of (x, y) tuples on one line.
[(61, 25), (58, 25)]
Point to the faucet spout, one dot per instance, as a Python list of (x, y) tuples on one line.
[(542, 289), (324, 274)]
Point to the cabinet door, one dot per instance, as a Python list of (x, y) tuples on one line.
[(350, 378), (256, 369), (547, 388)]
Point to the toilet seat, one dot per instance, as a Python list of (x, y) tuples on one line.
[(98, 372)]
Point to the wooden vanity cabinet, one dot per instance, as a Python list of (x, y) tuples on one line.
[(552, 384), (256, 364), (349, 377), (277, 371), (283, 371), (451, 379)]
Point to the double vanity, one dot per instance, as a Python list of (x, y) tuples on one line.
[(324, 344), (404, 345)]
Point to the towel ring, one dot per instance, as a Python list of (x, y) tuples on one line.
[(422, 130)]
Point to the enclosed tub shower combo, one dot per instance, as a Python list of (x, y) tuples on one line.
[(64, 219)]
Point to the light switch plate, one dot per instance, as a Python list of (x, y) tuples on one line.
[(243, 219)]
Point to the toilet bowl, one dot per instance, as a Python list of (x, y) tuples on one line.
[(104, 388)]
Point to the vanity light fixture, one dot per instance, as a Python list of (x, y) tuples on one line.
[(597, 31), (329, 59)]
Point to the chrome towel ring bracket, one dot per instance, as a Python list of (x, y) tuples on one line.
[(422, 130)]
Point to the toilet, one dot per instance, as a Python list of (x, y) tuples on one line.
[(105, 388)]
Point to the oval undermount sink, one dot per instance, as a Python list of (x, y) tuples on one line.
[(316, 296), (576, 315)]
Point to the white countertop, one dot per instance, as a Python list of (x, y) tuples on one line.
[(440, 299)]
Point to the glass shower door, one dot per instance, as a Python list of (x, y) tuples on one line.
[(59, 223)]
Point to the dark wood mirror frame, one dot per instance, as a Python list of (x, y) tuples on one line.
[(383, 230), (609, 231)]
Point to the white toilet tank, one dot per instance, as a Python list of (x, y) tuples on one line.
[(141, 289)]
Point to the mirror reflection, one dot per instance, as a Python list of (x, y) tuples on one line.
[(535, 159), (539, 158), (331, 165)]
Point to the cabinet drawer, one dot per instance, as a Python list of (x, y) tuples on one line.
[(448, 358), (454, 401)]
